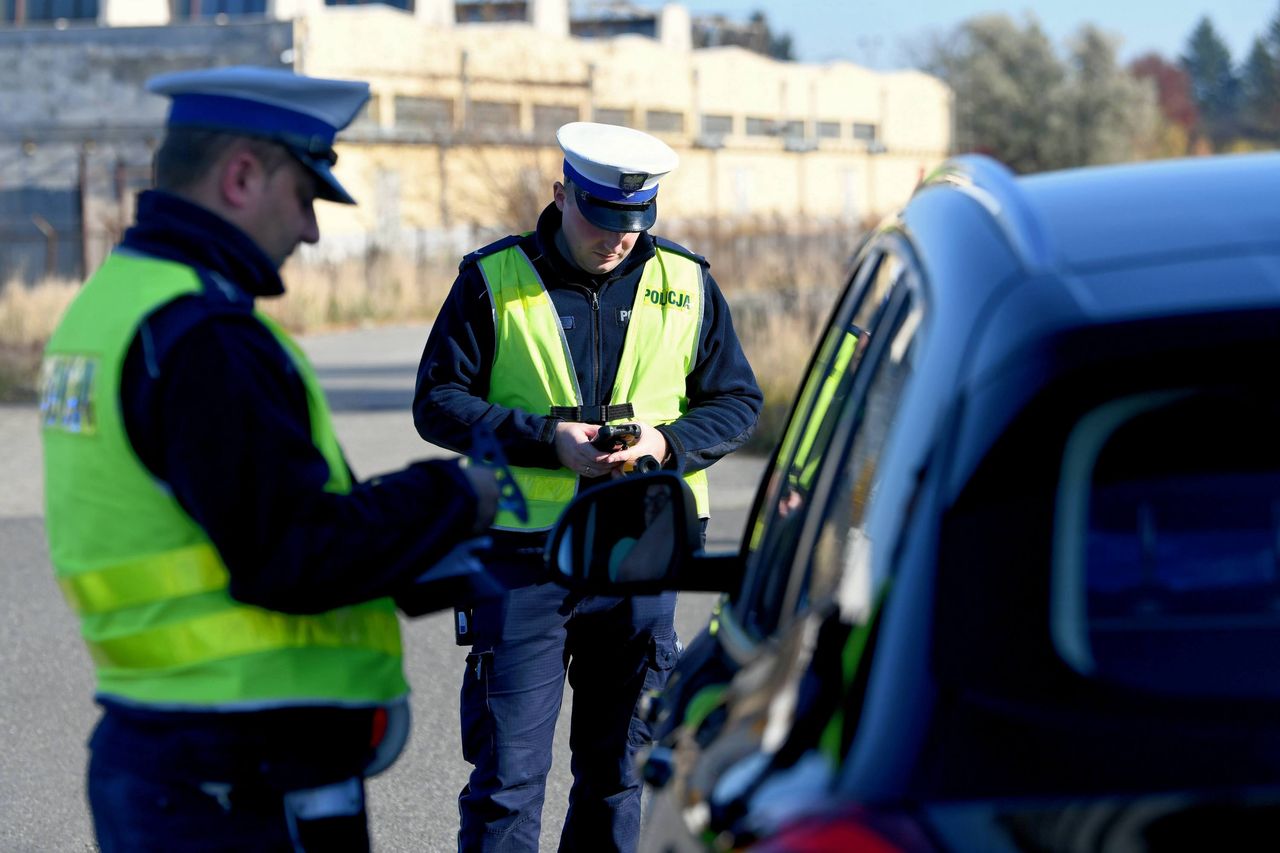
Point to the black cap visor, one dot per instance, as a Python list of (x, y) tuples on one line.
[(320, 164), (612, 216)]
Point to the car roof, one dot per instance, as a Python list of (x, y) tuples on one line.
[(1141, 213), (1094, 217), (1013, 260)]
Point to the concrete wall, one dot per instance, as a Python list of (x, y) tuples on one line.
[(74, 118), (458, 140), (456, 175)]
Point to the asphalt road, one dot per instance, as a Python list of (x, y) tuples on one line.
[(46, 684)]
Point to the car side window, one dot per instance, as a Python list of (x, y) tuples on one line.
[(842, 554), (776, 530)]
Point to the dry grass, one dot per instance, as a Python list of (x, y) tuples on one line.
[(780, 287), (378, 288), (28, 315), (27, 319)]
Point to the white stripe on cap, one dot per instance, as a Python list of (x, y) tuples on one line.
[(619, 161)]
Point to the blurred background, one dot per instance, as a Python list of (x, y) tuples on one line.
[(799, 125)]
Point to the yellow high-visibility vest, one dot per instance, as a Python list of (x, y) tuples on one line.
[(533, 369), (148, 586)]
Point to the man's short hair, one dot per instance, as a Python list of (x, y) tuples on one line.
[(188, 154)]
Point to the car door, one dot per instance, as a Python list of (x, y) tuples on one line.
[(846, 404), (822, 477)]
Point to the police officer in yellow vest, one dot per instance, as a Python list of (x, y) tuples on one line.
[(232, 580), (546, 336)]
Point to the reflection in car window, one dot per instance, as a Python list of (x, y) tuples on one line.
[(821, 404), (1169, 544), (843, 553)]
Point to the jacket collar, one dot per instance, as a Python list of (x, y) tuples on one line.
[(170, 227), (549, 224)]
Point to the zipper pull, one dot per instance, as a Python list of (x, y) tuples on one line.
[(595, 301)]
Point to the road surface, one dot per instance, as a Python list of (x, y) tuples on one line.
[(46, 708)]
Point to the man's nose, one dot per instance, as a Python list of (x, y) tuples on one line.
[(311, 229)]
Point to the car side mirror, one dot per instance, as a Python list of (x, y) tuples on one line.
[(631, 536)]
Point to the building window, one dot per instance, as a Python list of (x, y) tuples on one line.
[(407, 5), (19, 12), (548, 119), (759, 127), (717, 125), (184, 10), (634, 24), (828, 130), (494, 115), (664, 121), (490, 11), (792, 129), (423, 113), (367, 118), (618, 117), (864, 132)]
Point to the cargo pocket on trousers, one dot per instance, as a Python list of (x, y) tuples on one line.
[(664, 651), (476, 719)]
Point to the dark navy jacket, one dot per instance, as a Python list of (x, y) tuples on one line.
[(453, 377), (215, 410)]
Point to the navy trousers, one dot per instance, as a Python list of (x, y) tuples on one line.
[(169, 786), (612, 651)]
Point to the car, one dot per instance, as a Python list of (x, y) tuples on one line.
[(1011, 580)]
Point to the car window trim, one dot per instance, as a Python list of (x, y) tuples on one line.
[(846, 307), (900, 301)]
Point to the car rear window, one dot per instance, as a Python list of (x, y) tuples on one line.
[(1167, 553)]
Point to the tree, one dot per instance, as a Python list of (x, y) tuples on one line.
[(1260, 94), (1104, 112), (1173, 89), (1178, 115), (1017, 101), (1214, 85), (1003, 78), (755, 35)]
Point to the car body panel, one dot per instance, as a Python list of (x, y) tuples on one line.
[(1010, 357)]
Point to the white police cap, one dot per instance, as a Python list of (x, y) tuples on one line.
[(304, 114), (615, 171)]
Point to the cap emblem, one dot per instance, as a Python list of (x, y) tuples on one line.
[(631, 182)]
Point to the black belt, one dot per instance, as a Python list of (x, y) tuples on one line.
[(593, 414)]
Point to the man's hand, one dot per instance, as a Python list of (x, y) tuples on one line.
[(651, 443), (574, 450), (485, 485)]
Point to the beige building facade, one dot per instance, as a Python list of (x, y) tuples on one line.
[(463, 115), (458, 141)]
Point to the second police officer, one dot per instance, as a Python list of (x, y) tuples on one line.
[(587, 320)]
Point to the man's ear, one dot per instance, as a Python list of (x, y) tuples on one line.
[(240, 179), (560, 195)]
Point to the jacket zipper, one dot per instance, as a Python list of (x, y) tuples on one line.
[(596, 335)]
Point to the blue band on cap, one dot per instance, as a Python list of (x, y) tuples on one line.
[(240, 115), (606, 193)]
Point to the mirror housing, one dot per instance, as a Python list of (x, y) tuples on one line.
[(636, 535)]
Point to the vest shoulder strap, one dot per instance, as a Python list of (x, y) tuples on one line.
[(170, 322), (492, 249), (669, 246)]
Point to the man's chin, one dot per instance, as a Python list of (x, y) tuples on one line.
[(280, 261)]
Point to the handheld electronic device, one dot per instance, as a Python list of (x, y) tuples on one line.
[(614, 437)]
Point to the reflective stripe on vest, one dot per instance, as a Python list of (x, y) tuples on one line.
[(148, 585), (533, 369)]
